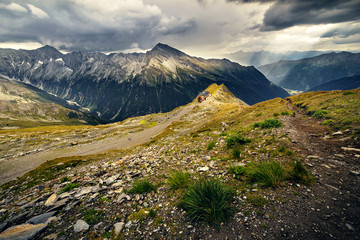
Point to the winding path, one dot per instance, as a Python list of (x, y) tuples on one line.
[(10, 170)]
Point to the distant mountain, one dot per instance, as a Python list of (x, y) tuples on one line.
[(22, 105), (307, 73), (118, 86), (266, 57), (339, 84)]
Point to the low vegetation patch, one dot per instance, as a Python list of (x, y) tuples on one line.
[(299, 173), (142, 186), (69, 187), (268, 123), (236, 140), (320, 113), (237, 171), (208, 201), (266, 173), (211, 145), (179, 179), (93, 216)]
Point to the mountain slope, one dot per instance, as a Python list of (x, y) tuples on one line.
[(339, 84), (118, 86), (309, 72), (266, 57), (24, 106)]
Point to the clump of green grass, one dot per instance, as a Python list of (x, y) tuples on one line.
[(179, 179), (268, 123), (320, 113), (236, 140), (65, 179), (299, 173), (276, 114), (142, 186), (328, 122), (266, 173), (256, 200), (238, 171), (285, 113), (208, 201), (93, 216), (348, 93), (69, 187), (236, 153), (211, 145)]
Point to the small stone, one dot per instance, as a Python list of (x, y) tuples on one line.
[(112, 179), (128, 224), (81, 225), (118, 227), (350, 149), (337, 133), (51, 200), (356, 173), (206, 158), (203, 169), (86, 190), (349, 227)]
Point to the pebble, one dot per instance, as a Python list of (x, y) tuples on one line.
[(203, 169)]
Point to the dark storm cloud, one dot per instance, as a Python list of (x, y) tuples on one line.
[(287, 13), (284, 14), (342, 32), (88, 25)]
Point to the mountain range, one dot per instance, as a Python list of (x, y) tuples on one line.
[(260, 58), (307, 73), (339, 84), (117, 86)]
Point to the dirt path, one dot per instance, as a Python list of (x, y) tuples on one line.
[(331, 208), (10, 170)]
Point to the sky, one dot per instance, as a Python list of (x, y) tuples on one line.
[(205, 28)]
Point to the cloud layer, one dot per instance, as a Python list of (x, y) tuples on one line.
[(201, 27)]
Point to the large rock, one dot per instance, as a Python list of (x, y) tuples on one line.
[(118, 227), (22, 232), (41, 218), (51, 200), (81, 225)]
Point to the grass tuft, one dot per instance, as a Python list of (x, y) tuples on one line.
[(179, 179), (266, 173), (211, 145), (208, 201), (300, 174), (238, 171), (142, 186)]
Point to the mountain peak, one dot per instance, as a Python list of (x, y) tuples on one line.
[(49, 50), (162, 49)]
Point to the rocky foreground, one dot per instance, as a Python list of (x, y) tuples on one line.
[(90, 197)]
